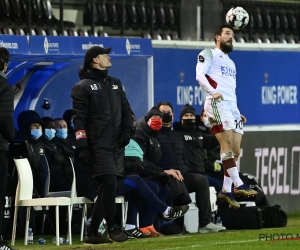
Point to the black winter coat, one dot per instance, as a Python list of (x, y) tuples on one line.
[(35, 148), (103, 111), (146, 138), (172, 149), (7, 129), (195, 144)]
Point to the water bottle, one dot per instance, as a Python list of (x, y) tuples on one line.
[(41, 241), (30, 236), (219, 221), (213, 219), (102, 228), (61, 240)]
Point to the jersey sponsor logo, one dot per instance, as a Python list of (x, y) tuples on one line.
[(226, 71), (201, 59), (188, 138), (115, 87), (94, 86)]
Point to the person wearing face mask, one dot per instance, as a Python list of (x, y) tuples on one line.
[(196, 144), (61, 138), (174, 157), (30, 130), (7, 131), (68, 117), (58, 165), (147, 129)]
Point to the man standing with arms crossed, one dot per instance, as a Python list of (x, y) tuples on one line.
[(216, 73)]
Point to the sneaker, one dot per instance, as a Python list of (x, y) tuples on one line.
[(4, 246), (152, 231), (116, 234), (229, 198), (95, 239), (244, 190), (136, 233), (176, 212), (145, 230), (171, 229), (211, 228)]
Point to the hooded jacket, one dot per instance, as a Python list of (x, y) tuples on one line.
[(103, 112), (35, 148), (7, 129), (71, 140), (146, 138), (195, 145)]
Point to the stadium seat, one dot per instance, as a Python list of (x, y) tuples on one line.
[(51, 32), (113, 15), (7, 31), (24, 198), (82, 32), (292, 20), (132, 15), (102, 33), (40, 31), (18, 12), (267, 20), (18, 31), (142, 15), (161, 17), (101, 14), (6, 12)]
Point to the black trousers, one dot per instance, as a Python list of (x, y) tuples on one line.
[(198, 183), (3, 183), (105, 204)]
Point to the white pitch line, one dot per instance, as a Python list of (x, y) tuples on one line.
[(212, 244)]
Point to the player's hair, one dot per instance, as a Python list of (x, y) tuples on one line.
[(164, 103), (4, 57), (219, 30)]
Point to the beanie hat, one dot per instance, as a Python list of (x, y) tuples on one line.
[(187, 109), (93, 52), (152, 112)]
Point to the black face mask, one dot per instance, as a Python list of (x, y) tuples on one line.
[(166, 119), (189, 123)]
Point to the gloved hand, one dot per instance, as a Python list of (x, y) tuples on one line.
[(84, 155), (124, 138), (217, 167), (162, 177)]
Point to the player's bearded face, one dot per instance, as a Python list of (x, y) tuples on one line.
[(226, 45)]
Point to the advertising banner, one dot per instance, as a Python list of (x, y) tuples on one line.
[(26, 46), (267, 83), (274, 158), (14, 44), (120, 47), (50, 45)]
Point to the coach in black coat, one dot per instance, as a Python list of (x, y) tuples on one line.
[(103, 124)]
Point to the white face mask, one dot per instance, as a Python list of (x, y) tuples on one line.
[(206, 122)]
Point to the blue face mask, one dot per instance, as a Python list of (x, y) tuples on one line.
[(72, 124), (62, 133), (49, 133), (36, 133)]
